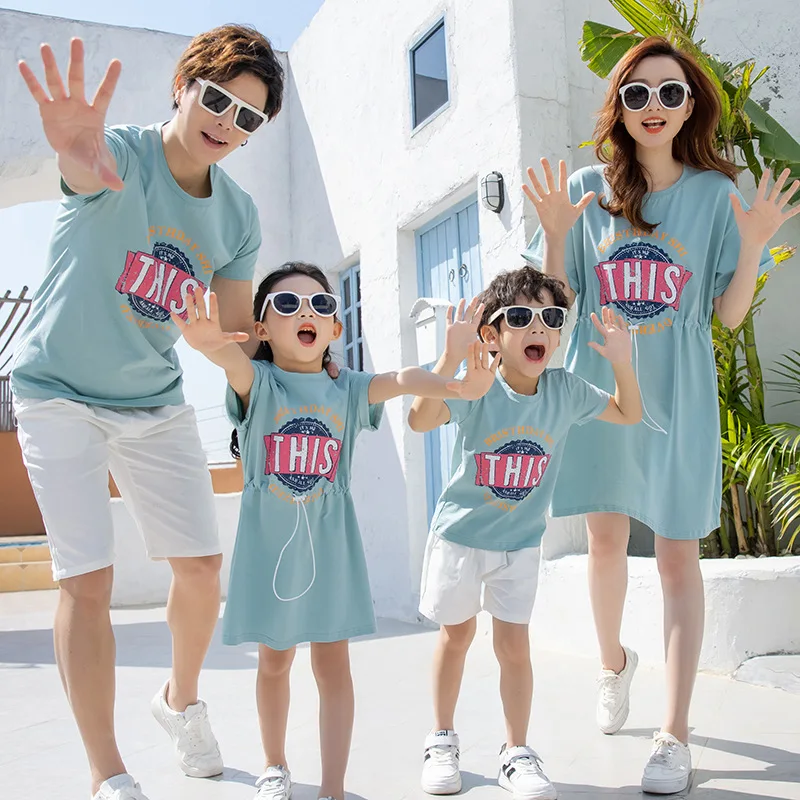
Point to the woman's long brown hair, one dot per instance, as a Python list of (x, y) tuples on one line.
[(694, 145)]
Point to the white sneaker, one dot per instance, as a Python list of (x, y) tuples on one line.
[(440, 774), (196, 748), (670, 766), (521, 774), (614, 697), (274, 784), (120, 787)]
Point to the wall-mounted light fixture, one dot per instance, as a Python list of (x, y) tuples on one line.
[(493, 192)]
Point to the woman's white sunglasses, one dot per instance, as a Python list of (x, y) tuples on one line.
[(216, 100), (671, 95)]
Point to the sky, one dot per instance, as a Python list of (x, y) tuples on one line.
[(24, 248)]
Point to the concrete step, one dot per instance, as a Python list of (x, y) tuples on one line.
[(19, 549), (26, 576)]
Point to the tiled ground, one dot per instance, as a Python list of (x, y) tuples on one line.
[(746, 739)]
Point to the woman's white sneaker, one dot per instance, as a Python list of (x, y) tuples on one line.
[(614, 694), (274, 784), (521, 774), (670, 766), (120, 787), (440, 772)]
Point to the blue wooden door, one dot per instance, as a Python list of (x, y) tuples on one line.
[(449, 262)]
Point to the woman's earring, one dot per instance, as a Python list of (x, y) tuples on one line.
[(244, 143)]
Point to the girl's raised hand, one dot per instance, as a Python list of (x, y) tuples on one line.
[(201, 329), (481, 371)]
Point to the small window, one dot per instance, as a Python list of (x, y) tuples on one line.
[(429, 75), (351, 318)]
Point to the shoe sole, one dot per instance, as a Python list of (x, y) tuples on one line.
[(504, 783), (190, 772), (442, 788), (664, 787)]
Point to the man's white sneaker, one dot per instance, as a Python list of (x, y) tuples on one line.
[(196, 748), (614, 695), (521, 774), (274, 784), (670, 766), (120, 787), (440, 773)]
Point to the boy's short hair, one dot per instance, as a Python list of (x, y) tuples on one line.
[(507, 286), (224, 53)]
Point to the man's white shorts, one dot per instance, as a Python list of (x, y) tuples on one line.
[(458, 581), (158, 464)]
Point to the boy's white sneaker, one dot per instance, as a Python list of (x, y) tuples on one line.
[(521, 774), (670, 766), (196, 748), (440, 772), (614, 694), (120, 787), (274, 784)]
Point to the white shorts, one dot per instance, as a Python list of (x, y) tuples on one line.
[(458, 581), (157, 461)]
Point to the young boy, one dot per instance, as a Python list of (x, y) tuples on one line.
[(489, 521), (147, 215)]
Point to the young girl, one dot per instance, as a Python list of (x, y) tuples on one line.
[(668, 242), (299, 572)]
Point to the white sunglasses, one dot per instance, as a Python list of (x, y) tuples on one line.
[(287, 304), (671, 95), (216, 100), (519, 317)]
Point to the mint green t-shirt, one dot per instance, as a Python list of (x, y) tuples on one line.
[(506, 458), (99, 330)]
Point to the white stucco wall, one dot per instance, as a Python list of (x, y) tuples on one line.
[(366, 184), (143, 96)]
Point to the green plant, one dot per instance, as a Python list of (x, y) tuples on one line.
[(761, 462)]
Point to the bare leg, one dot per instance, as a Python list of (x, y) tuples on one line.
[(513, 650), (684, 617), (272, 698), (85, 653), (192, 612), (448, 670), (608, 582), (331, 665)]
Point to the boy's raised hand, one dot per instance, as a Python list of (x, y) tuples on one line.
[(74, 127), (481, 370), (462, 328), (201, 329), (616, 345)]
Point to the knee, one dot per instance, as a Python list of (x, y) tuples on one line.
[(678, 567), (458, 638), (92, 590), (274, 664), (330, 663), (513, 650), (608, 535), (201, 573)]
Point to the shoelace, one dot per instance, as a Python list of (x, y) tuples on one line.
[(610, 686), (443, 754), (663, 752), (194, 738), (529, 764), (271, 787), (300, 502)]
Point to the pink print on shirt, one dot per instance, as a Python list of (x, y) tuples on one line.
[(512, 471)]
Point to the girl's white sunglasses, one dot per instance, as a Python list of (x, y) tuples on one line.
[(671, 95), (287, 304), (216, 100)]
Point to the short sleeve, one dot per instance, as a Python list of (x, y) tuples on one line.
[(124, 156), (535, 250), (587, 401), (366, 415), (233, 404), (731, 246), (243, 265)]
